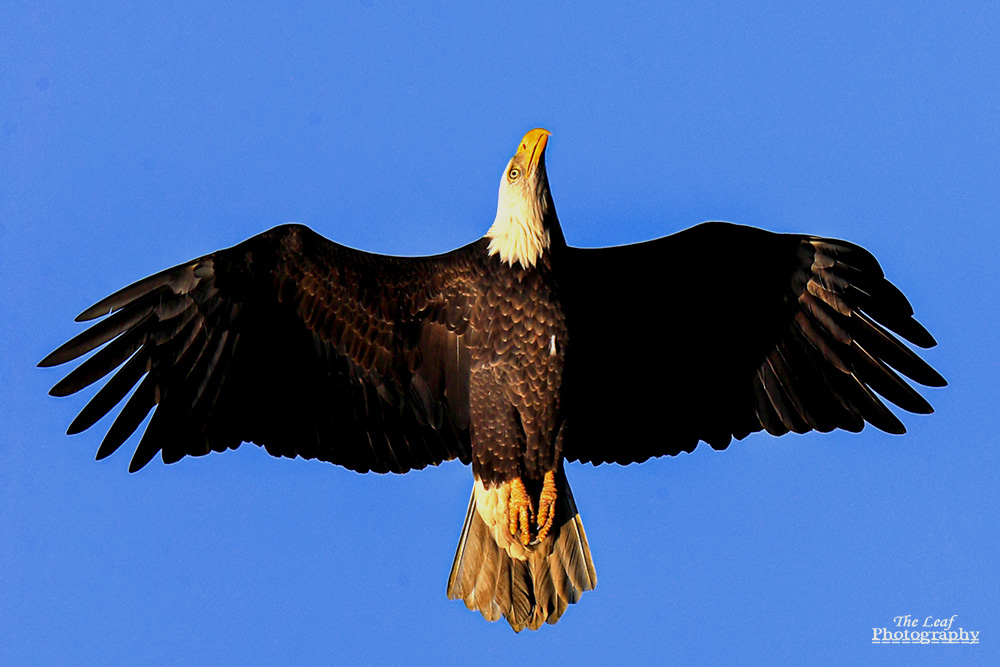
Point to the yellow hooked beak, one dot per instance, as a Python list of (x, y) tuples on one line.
[(533, 145)]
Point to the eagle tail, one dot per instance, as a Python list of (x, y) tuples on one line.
[(496, 575)]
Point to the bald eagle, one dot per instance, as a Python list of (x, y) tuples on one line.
[(514, 354)]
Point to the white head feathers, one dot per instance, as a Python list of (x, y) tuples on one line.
[(520, 231)]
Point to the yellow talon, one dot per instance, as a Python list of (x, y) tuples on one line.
[(519, 510), (547, 505)]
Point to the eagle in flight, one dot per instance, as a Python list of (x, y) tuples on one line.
[(515, 354)]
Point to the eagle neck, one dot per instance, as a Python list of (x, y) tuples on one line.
[(523, 231), (517, 242)]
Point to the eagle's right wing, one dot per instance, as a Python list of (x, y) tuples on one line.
[(292, 342)]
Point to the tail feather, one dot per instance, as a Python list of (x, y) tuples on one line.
[(495, 574)]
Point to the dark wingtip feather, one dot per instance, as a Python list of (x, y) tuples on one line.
[(76, 426), (915, 332), (139, 462), (886, 421), (65, 352), (100, 333), (60, 390), (135, 410), (134, 291), (925, 338), (53, 358), (106, 449), (92, 313), (102, 307), (931, 378), (74, 382), (890, 425), (150, 444)]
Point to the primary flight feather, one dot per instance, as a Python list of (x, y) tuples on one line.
[(514, 353)]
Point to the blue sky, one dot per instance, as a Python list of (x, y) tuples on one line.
[(136, 137)]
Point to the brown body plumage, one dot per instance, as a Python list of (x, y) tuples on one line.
[(515, 353)]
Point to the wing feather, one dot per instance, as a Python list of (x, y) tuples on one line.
[(111, 393)]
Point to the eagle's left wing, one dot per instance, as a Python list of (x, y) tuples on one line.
[(722, 330)]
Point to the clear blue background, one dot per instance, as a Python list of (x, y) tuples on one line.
[(136, 137)]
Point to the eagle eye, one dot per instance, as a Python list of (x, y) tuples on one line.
[(513, 173)]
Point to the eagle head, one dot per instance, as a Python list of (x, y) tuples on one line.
[(526, 216)]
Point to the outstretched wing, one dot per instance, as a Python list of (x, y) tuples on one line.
[(723, 330), (291, 342)]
